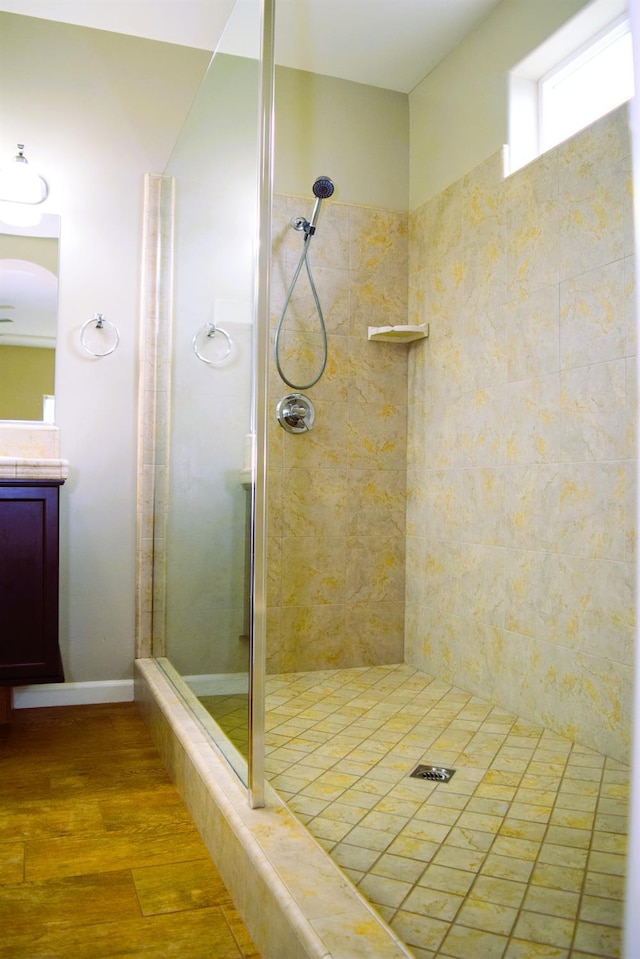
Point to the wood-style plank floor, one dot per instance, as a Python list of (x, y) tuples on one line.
[(99, 857)]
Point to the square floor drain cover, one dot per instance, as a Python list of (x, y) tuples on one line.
[(438, 774)]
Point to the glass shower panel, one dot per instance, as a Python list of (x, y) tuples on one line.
[(206, 547)]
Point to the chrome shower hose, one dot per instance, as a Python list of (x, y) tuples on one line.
[(303, 261)]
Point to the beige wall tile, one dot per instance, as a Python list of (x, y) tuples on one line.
[(521, 437), (533, 321), (375, 568), (375, 376), (378, 241), (572, 508), (592, 316), (532, 226), (324, 446), (376, 502), (486, 346), (337, 513), (593, 405), (376, 299), (483, 434), (376, 436)]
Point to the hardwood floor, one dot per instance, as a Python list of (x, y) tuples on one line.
[(99, 857)]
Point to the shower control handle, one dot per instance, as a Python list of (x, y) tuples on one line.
[(295, 413)]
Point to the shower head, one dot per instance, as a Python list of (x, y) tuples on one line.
[(322, 189)]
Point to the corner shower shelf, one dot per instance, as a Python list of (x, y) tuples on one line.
[(399, 334)]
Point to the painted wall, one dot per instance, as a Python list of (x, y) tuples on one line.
[(356, 134), (459, 111), (521, 471), (96, 111)]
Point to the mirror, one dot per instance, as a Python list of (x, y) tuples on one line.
[(29, 259)]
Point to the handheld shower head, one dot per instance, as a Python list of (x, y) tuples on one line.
[(322, 189)]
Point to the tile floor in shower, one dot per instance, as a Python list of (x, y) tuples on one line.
[(520, 856)]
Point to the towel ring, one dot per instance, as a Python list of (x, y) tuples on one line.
[(209, 330), (100, 323)]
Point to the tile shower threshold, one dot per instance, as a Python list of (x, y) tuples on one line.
[(295, 901)]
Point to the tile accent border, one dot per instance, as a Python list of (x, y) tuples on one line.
[(153, 405), (24, 467)]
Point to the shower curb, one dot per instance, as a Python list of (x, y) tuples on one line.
[(294, 900)]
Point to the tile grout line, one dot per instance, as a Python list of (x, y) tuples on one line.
[(451, 710), (586, 868)]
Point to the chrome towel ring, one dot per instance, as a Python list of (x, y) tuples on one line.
[(101, 323), (209, 331)]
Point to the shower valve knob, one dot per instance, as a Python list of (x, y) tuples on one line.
[(295, 413)]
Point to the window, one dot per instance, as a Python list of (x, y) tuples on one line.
[(592, 82), (581, 73)]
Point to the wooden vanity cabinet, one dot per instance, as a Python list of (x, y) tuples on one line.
[(29, 651)]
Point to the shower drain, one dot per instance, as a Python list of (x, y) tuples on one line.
[(438, 774)]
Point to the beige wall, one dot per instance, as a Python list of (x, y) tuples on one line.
[(358, 135), (96, 111), (521, 470), (459, 111)]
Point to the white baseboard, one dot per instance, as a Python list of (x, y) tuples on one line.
[(73, 694), (118, 690), (218, 684)]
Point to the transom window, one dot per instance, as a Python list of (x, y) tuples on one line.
[(581, 73), (592, 82)]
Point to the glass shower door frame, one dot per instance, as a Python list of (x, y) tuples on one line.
[(159, 245), (257, 663)]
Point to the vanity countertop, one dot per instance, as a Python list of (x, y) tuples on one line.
[(33, 468)]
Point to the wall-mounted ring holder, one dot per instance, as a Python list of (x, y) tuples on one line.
[(208, 332), (107, 328)]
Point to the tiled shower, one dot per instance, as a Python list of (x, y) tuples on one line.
[(505, 443), (521, 461), (336, 525), (510, 430)]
